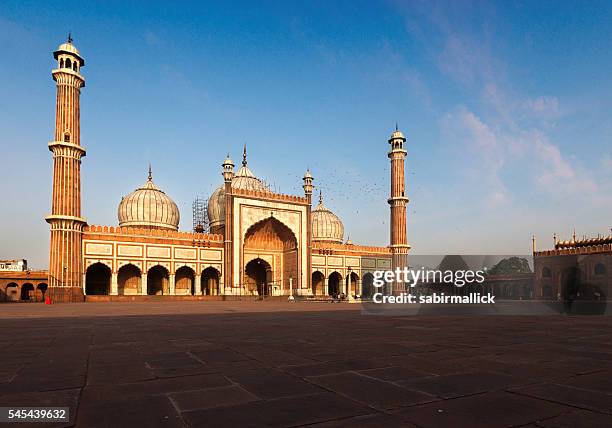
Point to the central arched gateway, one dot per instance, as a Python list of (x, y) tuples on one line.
[(270, 242), (258, 275)]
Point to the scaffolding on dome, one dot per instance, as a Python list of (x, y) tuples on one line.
[(200, 215)]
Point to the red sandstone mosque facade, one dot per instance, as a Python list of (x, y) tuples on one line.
[(260, 242)]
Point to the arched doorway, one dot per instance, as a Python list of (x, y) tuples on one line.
[(27, 291), (184, 281), (97, 279), (334, 284), (210, 281), (274, 241), (367, 286), (128, 280), (158, 281), (11, 292), (258, 274), (318, 283), (41, 290), (353, 284), (569, 282)]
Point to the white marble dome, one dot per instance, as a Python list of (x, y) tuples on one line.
[(326, 226), (148, 206)]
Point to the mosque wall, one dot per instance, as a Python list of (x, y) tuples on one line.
[(146, 249)]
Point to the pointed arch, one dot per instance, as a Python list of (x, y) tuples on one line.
[(258, 277), (97, 279), (184, 281), (334, 284), (158, 281), (27, 291), (210, 281), (129, 280), (273, 240), (367, 286), (10, 292), (318, 283)]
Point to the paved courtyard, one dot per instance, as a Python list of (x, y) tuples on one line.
[(215, 364)]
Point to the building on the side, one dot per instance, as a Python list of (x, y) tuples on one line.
[(23, 286), (576, 269), (261, 243), (507, 278), (17, 265), (18, 283)]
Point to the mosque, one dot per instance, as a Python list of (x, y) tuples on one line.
[(261, 243)]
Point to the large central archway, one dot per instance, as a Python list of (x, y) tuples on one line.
[(258, 275), (273, 241)]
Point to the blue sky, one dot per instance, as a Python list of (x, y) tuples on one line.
[(506, 107)]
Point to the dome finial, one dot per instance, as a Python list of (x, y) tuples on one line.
[(320, 196), (396, 128), (70, 37), (150, 173), (244, 160)]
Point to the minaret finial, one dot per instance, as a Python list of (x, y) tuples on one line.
[(320, 196), (150, 173), (69, 36), (244, 160), (396, 128), (574, 235)]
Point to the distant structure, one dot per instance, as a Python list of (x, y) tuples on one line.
[(200, 215), (18, 283), (248, 239), (19, 265), (576, 268)]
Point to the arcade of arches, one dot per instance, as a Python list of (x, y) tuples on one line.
[(271, 240), (26, 291), (130, 281), (336, 285)]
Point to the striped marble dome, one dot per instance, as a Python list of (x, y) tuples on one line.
[(326, 226), (148, 206)]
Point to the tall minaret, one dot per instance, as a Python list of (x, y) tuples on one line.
[(398, 201), (65, 256), (308, 187), (228, 232)]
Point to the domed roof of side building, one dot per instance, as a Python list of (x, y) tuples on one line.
[(326, 226), (148, 206)]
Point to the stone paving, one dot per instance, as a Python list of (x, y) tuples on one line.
[(216, 364)]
